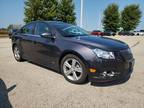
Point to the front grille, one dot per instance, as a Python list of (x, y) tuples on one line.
[(126, 54)]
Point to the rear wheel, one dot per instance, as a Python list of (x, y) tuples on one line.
[(17, 53), (73, 69)]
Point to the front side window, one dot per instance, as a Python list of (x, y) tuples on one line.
[(28, 29), (42, 28)]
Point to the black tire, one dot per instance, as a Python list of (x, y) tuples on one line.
[(19, 59), (83, 77)]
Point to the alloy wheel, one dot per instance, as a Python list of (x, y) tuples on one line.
[(72, 69), (16, 53)]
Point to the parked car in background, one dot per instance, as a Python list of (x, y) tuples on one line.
[(136, 33), (97, 32), (141, 33), (109, 33), (72, 51), (126, 33)]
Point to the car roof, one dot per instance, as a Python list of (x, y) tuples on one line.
[(59, 24), (51, 22)]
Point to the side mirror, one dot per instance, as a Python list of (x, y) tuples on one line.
[(47, 35)]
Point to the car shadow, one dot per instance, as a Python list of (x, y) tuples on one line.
[(42, 66), (55, 71), (97, 84), (4, 99), (111, 83)]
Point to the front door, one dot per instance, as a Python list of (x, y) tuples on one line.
[(44, 48)]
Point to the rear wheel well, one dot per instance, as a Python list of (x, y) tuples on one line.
[(13, 46)]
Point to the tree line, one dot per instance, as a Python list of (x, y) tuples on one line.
[(64, 10), (49, 10), (126, 20)]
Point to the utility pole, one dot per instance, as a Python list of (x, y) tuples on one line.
[(81, 14)]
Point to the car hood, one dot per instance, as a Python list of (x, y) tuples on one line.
[(100, 42)]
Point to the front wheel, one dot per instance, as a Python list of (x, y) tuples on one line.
[(73, 69), (17, 54)]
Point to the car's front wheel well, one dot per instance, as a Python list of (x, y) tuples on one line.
[(73, 53), (81, 64)]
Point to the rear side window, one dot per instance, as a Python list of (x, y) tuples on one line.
[(28, 29), (42, 28)]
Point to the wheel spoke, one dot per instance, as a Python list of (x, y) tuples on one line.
[(78, 69), (67, 64), (73, 63), (68, 72), (75, 76)]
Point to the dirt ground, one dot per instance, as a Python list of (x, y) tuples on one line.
[(26, 85)]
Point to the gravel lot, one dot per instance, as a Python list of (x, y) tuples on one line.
[(26, 85)]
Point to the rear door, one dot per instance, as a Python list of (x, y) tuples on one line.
[(27, 40)]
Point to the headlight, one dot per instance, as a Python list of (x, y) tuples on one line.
[(104, 54)]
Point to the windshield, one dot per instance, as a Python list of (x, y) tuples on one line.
[(72, 31)]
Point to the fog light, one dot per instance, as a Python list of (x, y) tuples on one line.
[(109, 74), (92, 70)]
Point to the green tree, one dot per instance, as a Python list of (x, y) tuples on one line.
[(33, 10), (50, 9), (130, 17), (66, 11), (111, 18)]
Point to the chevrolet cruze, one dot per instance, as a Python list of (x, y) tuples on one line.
[(72, 51)]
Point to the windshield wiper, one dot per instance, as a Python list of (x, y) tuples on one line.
[(76, 35), (71, 35)]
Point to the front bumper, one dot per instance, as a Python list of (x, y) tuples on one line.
[(110, 70)]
